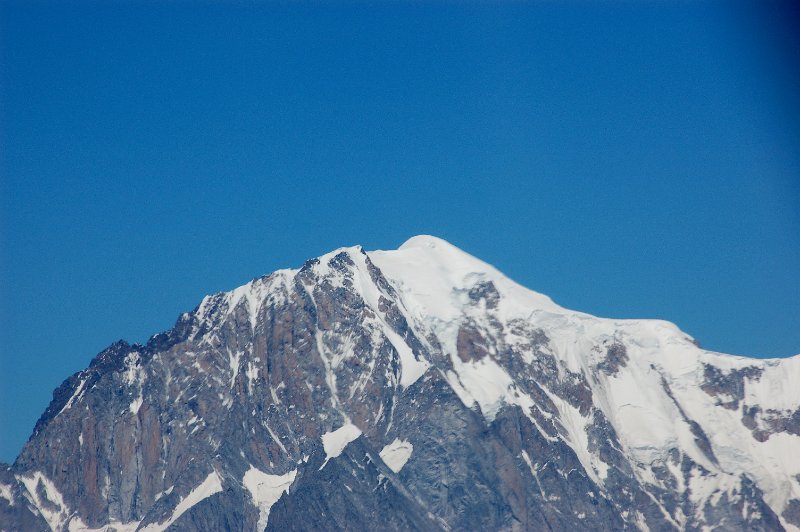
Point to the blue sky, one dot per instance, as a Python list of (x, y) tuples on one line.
[(629, 160)]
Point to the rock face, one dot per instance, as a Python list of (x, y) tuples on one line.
[(415, 389)]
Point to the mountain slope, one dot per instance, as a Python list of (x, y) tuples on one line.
[(412, 389)]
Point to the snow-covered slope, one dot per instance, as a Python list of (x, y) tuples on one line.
[(420, 385), (652, 394)]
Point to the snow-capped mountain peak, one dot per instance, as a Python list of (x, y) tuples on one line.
[(420, 385)]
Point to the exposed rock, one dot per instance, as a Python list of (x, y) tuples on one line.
[(792, 512), (727, 387), (486, 292), (616, 358)]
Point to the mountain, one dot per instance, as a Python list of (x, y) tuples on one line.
[(410, 389)]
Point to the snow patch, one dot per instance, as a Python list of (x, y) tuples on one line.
[(51, 507), (335, 442), (79, 391), (133, 370), (276, 439), (486, 382), (396, 454), (411, 369), (211, 485), (252, 376), (76, 524), (777, 388), (575, 424), (135, 405), (165, 492), (253, 294), (266, 489), (5, 493), (233, 361)]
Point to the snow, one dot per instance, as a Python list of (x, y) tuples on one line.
[(330, 363), (265, 490), (210, 486), (133, 370), (528, 461), (79, 391), (577, 438), (432, 276), (411, 369), (76, 524), (135, 405), (233, 362), (534, 471), (461, 392), (777, 389), (276, 439), (396, 454), (631, 399), (335, 442), (252, 376), (218, 308), (253, 295), (708, 488), (52, 507), (486, 382), (165, 492), (5, 493), (433, 279), (771, 464), (133, 377)]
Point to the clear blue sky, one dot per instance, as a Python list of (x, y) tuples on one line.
[(627, 160)]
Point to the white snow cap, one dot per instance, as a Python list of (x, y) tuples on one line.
[(438, 276)]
